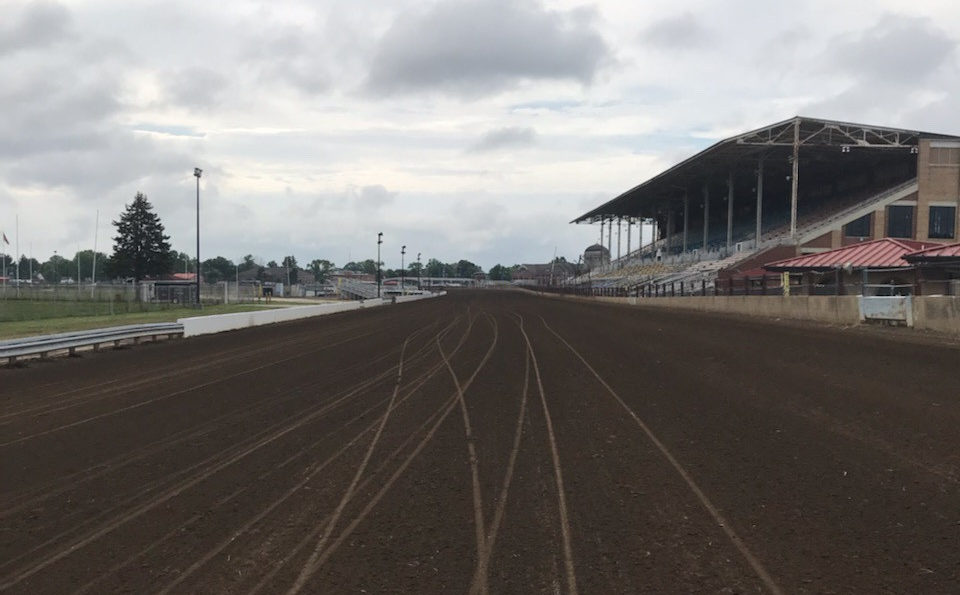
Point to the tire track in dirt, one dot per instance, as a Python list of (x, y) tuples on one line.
[(480, 582), (177, 393), (445, 411), (569, 569), (314, 470), (711, 509), (56, 402), (204, 470)]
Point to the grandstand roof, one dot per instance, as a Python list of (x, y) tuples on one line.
[(815, 135), (948, 253), (878, 254)]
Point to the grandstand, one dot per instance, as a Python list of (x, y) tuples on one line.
[(807, 184)]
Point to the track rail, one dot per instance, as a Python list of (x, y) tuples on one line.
[(13, 349)]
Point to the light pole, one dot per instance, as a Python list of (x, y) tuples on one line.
[(419, 266), (379, 241), (403, 271), (197, 172)]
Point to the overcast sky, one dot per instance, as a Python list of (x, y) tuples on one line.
[(462, 128)]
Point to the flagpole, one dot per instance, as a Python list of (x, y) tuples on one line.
[(93, 278), (18, 254)]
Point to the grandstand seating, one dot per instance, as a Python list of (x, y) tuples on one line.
[(356, 290), (814, 219)]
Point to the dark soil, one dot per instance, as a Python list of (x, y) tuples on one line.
[(695, 454)]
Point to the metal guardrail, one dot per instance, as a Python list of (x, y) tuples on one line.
[(46, 344)]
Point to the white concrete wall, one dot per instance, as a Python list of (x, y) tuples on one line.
[(414, 297), (204, 325)]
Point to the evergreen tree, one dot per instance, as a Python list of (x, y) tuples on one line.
[(140, 249)]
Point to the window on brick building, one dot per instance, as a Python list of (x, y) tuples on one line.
[(942, 222), (900, 221), (945, 156), (859, 228)]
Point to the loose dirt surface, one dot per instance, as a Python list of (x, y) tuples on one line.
[(487, 442)]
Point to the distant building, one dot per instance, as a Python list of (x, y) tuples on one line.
[(544, 274), (595, 256)]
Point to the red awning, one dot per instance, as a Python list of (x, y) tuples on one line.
[(939, 253), (877, 254)]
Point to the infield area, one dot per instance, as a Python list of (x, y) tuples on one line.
[(487, 442)]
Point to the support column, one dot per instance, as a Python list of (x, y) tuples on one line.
[(686, 219), (629, 233), (669, 230), (610, 238), (640, 236), (619, 229), (794, 179), (601, 231), (706, 215), (729, 210), (759, 201)]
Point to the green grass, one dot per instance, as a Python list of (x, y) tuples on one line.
[(72, 321)]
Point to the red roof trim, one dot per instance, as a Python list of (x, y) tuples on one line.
[(882, 253), (950, 251)]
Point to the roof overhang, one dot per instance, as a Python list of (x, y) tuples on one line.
[(645, 199)]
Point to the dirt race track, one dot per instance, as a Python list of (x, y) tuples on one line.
[(487, 442)]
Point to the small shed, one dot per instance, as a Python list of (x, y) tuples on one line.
[(938, 268), (847, 269)]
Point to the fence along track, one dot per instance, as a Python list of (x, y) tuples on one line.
[(13, 349)]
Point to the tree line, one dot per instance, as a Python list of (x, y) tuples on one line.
[(141, 250)]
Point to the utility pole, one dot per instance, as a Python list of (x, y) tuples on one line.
[(403, 271), (379, 241), (419, 266), (197, 172)]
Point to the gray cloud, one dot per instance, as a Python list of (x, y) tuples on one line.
[(477, 47), (897, 49), (199, 88), (896, 57), (677, 33), (372, 197), (503, 138), (288, 55), (32, 25), (66, 128)]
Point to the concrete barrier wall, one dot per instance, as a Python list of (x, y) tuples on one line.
[(402, 299), (934, 313), (832, 309), (204, 325), (937, 313)]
